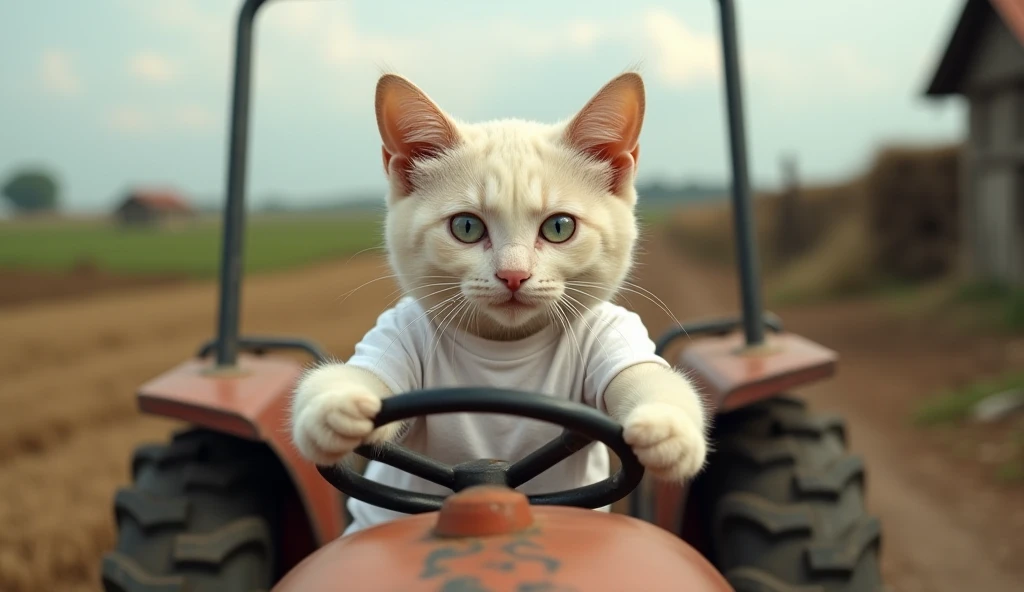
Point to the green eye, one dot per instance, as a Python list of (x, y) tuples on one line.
[(467, 228), (558, 228)]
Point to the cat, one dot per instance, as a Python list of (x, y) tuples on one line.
[(509, 240)]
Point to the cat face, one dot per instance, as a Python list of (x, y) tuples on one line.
[(504, 226)]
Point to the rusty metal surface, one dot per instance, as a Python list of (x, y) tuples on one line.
[(251, 401), (564, 550), (731, 376)]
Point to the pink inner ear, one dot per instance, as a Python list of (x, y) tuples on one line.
[(411, 127), (608, 127)]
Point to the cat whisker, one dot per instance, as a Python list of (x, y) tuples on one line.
[(653, 298), (367, 249), (567, 327), (444, 324), (569, 304), (444, 302), (346, 295), (458, 325), (423, 297), (599, 336)]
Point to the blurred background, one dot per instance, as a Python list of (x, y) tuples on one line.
[(887, 159)]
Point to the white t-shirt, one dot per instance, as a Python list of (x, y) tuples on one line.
[(404, 351)]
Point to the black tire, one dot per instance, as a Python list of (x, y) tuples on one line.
[(200, 516), (787, 500)]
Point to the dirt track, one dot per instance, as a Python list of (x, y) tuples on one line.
[(68, 420)]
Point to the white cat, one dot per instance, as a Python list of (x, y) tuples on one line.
[(509, 239)]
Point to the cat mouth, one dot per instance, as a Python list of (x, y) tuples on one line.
[(513, 303)]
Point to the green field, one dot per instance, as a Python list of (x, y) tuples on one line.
[(272, 242)]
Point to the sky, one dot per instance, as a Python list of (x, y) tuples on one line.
[(116, 94)]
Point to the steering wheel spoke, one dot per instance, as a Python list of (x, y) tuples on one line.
[(582, 424), (562, 447), (411, 462)]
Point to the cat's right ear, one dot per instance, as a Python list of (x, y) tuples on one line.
[(411, 127), (608, 127)]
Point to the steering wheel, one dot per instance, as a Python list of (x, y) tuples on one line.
[(582, 425)]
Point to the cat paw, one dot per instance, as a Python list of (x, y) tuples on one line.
[(666, 441), (334, 422)]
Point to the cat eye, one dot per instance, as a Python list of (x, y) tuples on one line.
[(467, 228), (558, 228)]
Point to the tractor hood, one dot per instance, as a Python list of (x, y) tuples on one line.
[(489, 539)]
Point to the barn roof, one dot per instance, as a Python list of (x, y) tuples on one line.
[(164, 200), (965, 37)]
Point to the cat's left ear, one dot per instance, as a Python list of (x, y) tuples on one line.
[(411, 127), (608, 127)]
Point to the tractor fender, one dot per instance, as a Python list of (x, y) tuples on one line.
[(251, 401)]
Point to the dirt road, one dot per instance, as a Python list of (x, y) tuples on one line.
[(68, 419), (945, 526)]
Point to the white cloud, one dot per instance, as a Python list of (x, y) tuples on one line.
[(682, 57), (194, 117), (583, 34), (136, 120), (57, 73), (318, 47), (152, 68), (130, 120)]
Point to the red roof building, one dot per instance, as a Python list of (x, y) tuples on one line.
[(153, 206)]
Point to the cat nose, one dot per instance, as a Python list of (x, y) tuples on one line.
[(513, 279)]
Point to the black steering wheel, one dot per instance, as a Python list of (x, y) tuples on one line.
[(582, 425)]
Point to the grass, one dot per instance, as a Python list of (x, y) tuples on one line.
[(955, 405), (1004, 302), (191, 249)]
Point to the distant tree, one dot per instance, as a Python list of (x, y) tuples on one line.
[(32, 190)]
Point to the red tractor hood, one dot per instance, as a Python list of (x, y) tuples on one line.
[(489, 539)]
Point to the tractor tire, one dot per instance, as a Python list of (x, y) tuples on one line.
[(787, 501), (200, 516)]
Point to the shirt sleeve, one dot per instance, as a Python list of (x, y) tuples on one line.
[(389, 352), (619, 340)]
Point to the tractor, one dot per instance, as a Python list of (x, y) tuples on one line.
[(228, 505)]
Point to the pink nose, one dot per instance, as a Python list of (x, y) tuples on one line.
[(513, 279)]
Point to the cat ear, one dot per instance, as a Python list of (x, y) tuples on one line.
[(411, 126), (608, 127)]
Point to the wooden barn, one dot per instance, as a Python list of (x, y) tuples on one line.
[(984, 63), (144, 207)]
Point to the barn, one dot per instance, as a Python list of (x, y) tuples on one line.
[(983, 62), (146, 207)]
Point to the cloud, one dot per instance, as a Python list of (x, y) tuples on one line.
[(583, 34), (135, 120), (57, 73), (435, 57), (685, 58), (194, 117), (682, 56), (152, 68), (130, 120)]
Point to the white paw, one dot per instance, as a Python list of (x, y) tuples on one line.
[(336, 421), (666, 440)]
